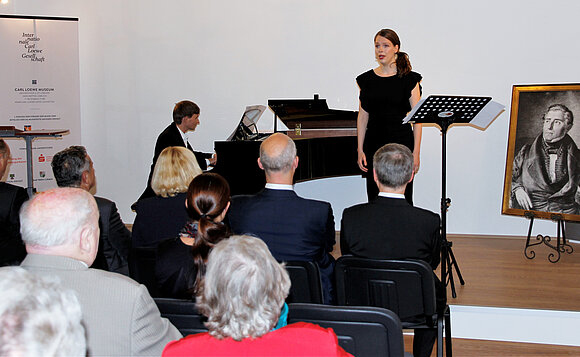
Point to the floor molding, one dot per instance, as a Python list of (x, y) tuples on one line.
[(515, 325)]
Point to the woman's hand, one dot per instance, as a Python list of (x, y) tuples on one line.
[(416, 162), (362, 161)]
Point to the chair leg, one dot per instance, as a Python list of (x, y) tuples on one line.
[(439, 336), (448, 348)]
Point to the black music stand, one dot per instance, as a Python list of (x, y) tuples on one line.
[(247, 129), (444, 111), (28, 136)]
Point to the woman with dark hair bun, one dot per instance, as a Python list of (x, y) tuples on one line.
[(387, 94), (181, 260)]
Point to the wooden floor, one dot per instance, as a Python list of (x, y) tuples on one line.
[(480, 348), (497, 274)]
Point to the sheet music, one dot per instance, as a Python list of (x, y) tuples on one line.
[(250, 118), (413, 111), (487, 114)]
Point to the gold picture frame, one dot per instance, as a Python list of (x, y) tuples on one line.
[(542, 169)]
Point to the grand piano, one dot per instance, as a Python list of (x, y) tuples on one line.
[(325, 142)]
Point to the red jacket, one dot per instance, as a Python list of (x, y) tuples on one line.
[(298, 339)]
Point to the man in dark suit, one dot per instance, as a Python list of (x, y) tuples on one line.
[(294, 228), (390, 228), (12, 249), (185, 119), (73, 167)]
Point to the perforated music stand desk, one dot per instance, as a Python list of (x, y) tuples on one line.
[(28, 136)]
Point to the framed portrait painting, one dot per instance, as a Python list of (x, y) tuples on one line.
[(543, 160)]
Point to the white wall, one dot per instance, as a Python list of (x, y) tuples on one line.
[(139, 57)]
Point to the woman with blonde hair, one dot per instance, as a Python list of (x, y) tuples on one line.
[(162, 216)]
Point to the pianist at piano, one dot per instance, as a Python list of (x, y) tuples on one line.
[(185, 118)]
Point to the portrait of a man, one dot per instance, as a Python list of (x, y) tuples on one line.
[(543, 166), (546, 172)]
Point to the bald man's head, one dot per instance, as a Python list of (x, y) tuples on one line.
[(277, 153)]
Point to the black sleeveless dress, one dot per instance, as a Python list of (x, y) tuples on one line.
[(386, 99)]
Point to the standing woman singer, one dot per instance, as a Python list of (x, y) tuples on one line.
[(387, 94)]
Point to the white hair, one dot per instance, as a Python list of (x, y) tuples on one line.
[(244, 289), (52, 217), (38, 317)]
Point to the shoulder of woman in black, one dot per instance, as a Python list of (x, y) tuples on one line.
[(361, 78)]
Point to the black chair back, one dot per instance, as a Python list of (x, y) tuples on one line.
[(306, 284), (142, 267), (406, 287), (361, 331), (183, 315)]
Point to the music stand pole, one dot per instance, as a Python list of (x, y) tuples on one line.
[(448, 261)]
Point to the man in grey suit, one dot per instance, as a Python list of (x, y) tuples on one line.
[(61, 232), (73, 167)]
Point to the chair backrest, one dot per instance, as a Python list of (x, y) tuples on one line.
[(406, 287), (183, 315), (142, 267), (306, 284), (361, 330)]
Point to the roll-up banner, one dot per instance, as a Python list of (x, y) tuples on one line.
[(39, 67)]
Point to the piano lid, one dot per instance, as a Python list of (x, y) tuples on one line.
[(311, 114)]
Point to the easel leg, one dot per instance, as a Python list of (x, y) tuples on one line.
[(532, 254), (565, 248), (561, 245)]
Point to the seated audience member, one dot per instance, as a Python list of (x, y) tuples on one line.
[(73, 167), (162, 216), (390, 228), (243, 295), (294, 228), (61, 233), (181, 260), (12, 249), (38, 317)]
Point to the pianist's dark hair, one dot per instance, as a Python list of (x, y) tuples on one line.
[(402, 60), (183, 109), (207, 197)]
